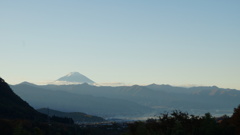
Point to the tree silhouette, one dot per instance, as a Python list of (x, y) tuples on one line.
[(235, 119)]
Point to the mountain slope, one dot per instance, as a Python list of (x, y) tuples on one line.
[(12, 106), (75, 77), (64, 101)]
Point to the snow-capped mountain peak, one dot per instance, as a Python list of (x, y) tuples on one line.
[(75, 77), (73, 74)]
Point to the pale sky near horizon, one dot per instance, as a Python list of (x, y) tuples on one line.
[(131, 41)]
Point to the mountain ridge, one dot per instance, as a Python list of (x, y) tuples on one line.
[(74, 102), (162, 97)]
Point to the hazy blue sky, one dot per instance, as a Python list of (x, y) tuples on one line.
[(176, 42)]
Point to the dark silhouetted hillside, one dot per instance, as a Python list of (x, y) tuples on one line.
[(76, 116), (13, 107)]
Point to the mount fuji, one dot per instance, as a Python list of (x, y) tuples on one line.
[(75, 77)]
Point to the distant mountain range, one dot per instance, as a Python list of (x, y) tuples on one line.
[(13, 107), (129, 101), (44, 97), (164, 96)]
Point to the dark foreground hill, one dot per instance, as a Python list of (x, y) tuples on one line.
[(13, 107), (181, 123), (76, 116)]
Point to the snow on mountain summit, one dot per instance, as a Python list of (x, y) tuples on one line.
[(75, 77), (73, 74)]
